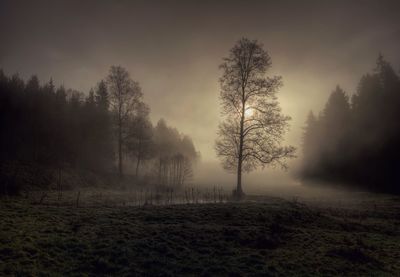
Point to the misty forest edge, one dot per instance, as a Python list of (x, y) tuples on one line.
[(352, 141)]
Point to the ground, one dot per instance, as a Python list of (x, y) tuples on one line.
[(266, 236)]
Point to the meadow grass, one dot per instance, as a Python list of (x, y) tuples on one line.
[(269, 237)]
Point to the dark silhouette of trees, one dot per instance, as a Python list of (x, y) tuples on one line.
[(310, 138), (175, 154), (250, 135), (101, 96), (125, 99), (140, 143), (50, 126), (355, 142), (59, 128)]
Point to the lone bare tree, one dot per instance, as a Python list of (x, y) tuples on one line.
[(251, 133), (125, 100)]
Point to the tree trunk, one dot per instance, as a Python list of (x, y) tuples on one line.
[(239, 192), (139, 157), (137, 166), (120, 151), (159, 172)]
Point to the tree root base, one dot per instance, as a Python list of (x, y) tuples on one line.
[(238, 195)]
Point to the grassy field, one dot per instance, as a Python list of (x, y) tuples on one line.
[(263, 236)]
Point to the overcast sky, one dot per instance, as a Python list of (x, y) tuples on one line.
[(173, 48)]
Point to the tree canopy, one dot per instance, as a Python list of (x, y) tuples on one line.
[(253, 126)]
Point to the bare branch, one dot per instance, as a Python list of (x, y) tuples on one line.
[(246, 142)]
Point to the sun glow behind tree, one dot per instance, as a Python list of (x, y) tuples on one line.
[(250, 135)]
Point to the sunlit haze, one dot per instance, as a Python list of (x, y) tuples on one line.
[(173, 49)]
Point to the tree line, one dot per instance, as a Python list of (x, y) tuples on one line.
[(354, 140), (107, 130)]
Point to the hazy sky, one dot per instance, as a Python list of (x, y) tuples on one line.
[(173, 48)]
